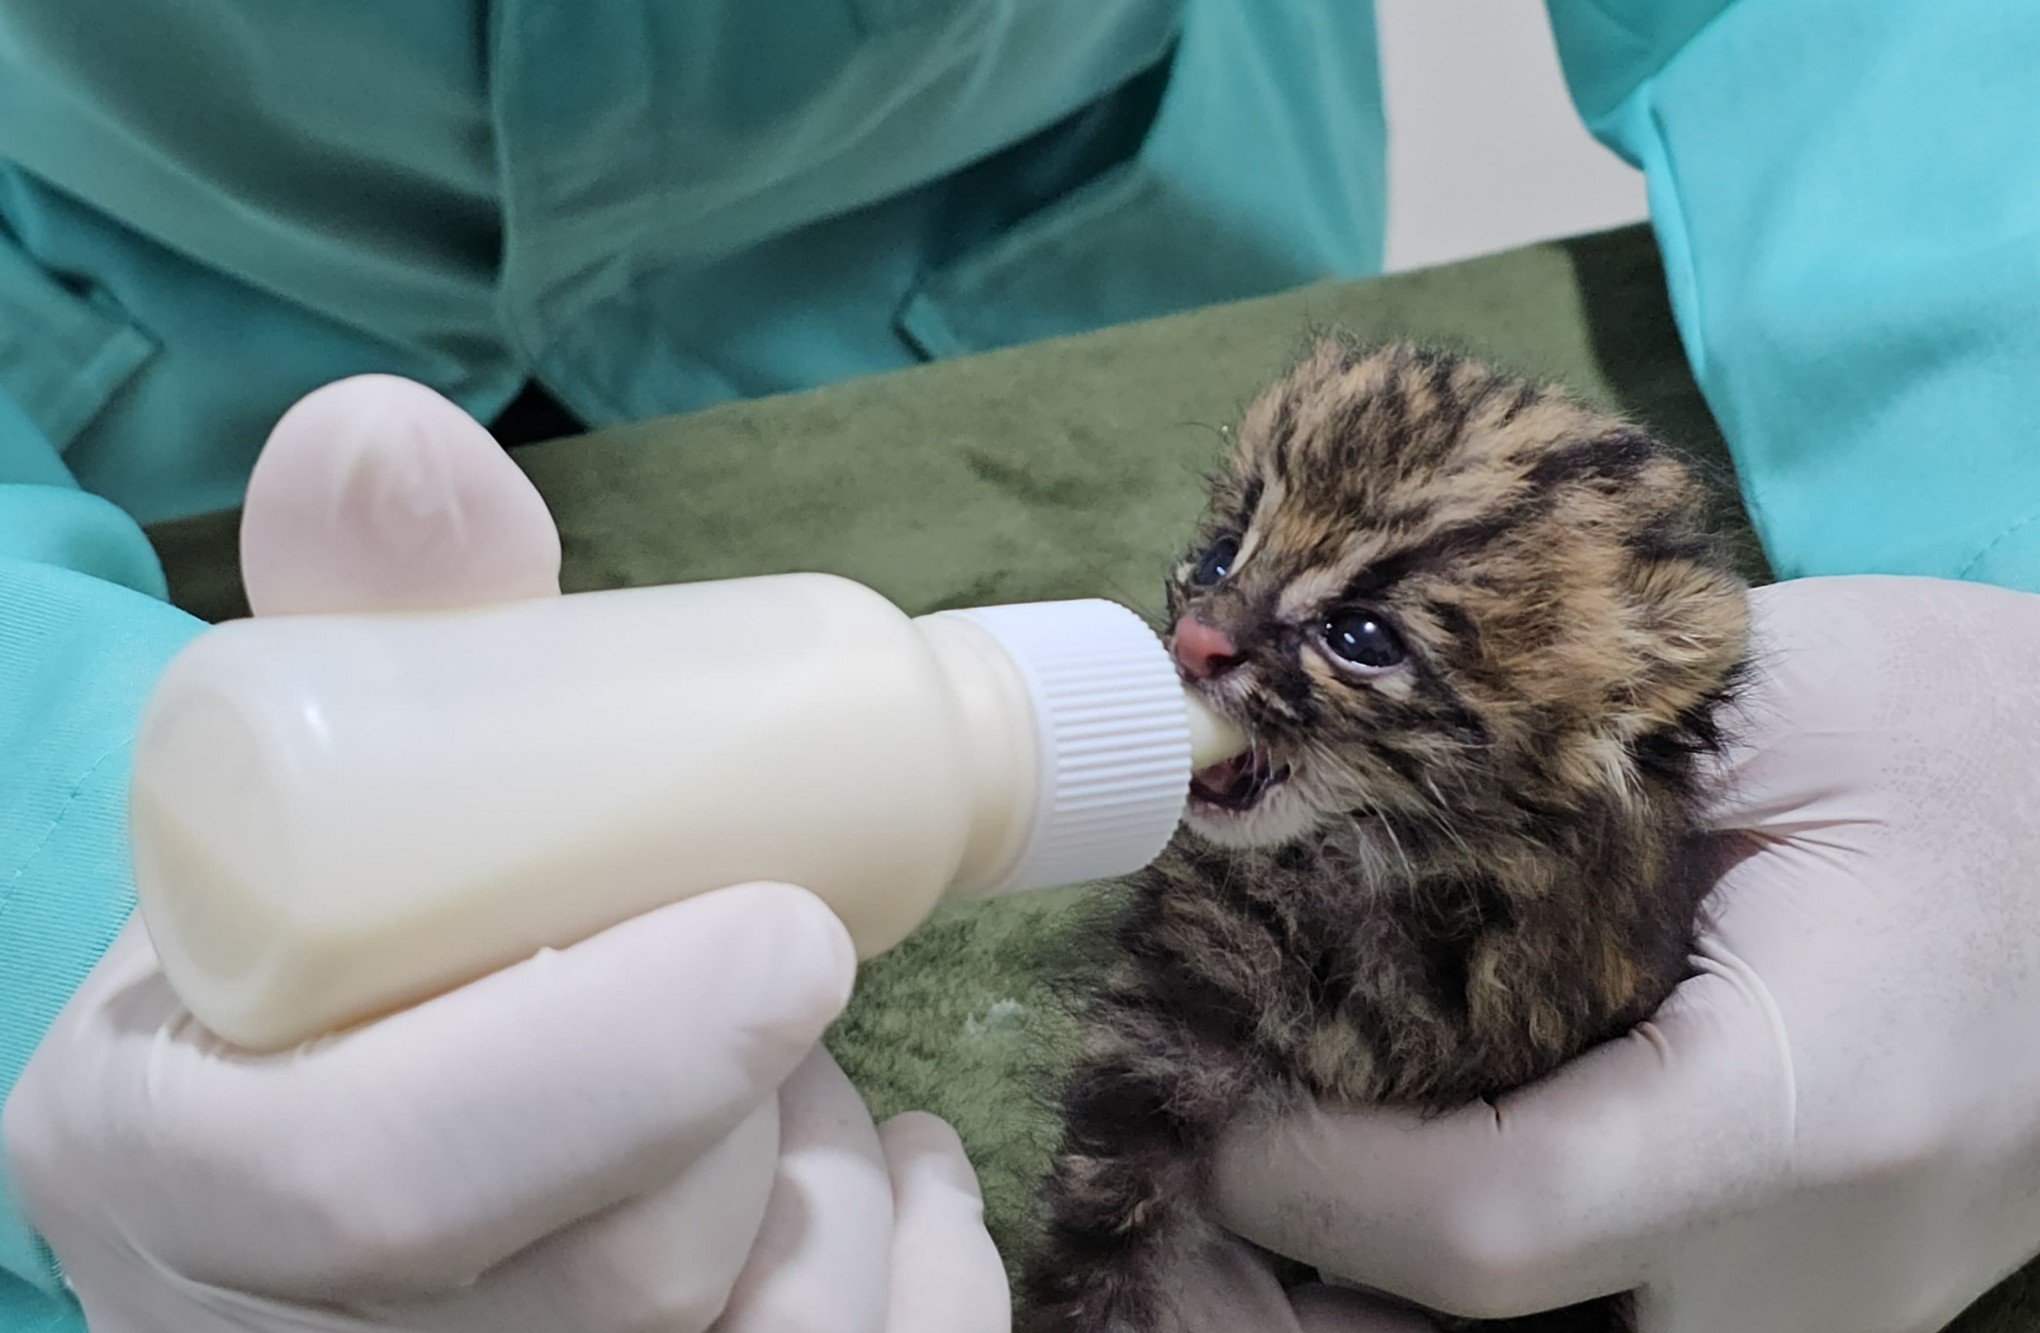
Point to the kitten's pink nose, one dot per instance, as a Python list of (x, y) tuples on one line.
[(1203, 650)]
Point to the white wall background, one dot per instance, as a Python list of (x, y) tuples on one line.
[(1485, 151)]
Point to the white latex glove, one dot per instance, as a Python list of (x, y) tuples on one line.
[(635, 1133), (1836, 1124)]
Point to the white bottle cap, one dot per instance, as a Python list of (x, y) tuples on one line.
[(1113, 734)]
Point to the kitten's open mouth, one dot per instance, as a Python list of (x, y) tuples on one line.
[(1238, 783)]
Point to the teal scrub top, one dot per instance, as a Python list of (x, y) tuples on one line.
[(213, 207), (209, 209)]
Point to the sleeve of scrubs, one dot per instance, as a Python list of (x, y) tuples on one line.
[(83, 633), (1846, 195)]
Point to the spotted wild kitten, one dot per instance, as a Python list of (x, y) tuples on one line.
[(1479, 635)]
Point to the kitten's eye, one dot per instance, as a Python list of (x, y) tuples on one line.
[(1364, 639), (1217, 562)]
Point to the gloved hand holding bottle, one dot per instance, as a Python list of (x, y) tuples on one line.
[(636, 1131)]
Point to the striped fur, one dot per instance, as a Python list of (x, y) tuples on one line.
[(1484, 860)]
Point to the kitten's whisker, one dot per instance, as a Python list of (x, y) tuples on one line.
[(1440, 817), (1387, 826)]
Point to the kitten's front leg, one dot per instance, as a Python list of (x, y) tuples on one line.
[(1125, 1201)]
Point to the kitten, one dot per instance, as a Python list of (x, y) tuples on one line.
[(1479, 636)]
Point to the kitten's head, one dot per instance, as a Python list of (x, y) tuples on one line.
[(1438, 594)]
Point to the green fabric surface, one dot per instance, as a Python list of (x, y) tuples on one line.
[(1065, 468)]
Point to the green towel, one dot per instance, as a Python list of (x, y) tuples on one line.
[(1066, 468)]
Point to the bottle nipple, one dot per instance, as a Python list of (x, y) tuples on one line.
[(1213, 739)]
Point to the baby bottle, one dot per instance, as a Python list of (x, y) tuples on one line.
[(334, 816)]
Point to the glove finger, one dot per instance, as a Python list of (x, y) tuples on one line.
[(946, 1274), (821, 1261), (376, 494), (665, 1260), (146, 1307), (414, 1153), (1554, 1194)]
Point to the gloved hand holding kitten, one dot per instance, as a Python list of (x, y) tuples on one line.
[(1836, 1123), (636, 1132)]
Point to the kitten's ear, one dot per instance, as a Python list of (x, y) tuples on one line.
[(1690, 621), (1268, 419), (1332, 355), (1328, 356)]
